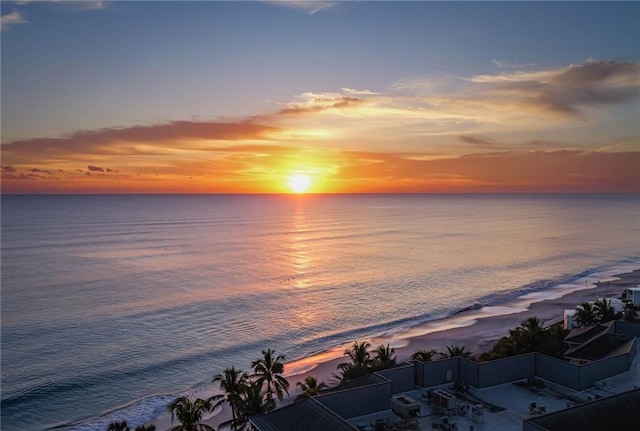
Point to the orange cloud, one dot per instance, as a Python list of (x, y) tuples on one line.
[(418, 137), (265, 168), (540, 171)]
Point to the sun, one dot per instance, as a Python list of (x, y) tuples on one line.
[(299, 183)]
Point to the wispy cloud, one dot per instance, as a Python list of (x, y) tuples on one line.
[(478, 105), (316, 102), (12, 18), (507, 65), (455, 136), (353, 91), (78, 5), (153, 140), (310, 6), (568, 89), (18, 16)]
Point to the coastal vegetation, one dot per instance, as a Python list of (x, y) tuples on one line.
[(269, 369), (247, 395), (453, 351), (250, 395), (123, 426), (600, 311), (253, 394), (423, 355), (310, 387), (363, 362), (631, 312), (529, 336), (232, 383), (189, 414)]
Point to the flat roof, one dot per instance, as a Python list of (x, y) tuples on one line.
[(516, 401), (616, 412)]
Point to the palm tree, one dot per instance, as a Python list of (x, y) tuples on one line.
[(555, 341), (118, 426), (189, 414), (310, 387), (585, 314), (529, 336), (423, 355), (269, 369), (253, 402), (123, 426), (360, 361), (384, 358), (630, 311), (232, 382), (605, 311), (359, 354), (504, 347), (453, 351)]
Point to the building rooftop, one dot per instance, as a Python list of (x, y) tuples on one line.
[(358, 382), (507, 394), (583, 334), (601, 347), (505, 407), (305, 415), (617, 412)]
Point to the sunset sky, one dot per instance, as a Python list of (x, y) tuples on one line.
[(246, 97)]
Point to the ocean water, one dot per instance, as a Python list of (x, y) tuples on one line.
[(114, 305)]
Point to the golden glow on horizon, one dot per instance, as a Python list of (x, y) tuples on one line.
[(299, 183)]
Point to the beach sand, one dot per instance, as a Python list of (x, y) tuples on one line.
[(477, 330)]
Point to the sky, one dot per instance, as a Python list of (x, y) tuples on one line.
[(322, 97)]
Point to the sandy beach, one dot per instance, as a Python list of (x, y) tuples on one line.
[(476, 329)]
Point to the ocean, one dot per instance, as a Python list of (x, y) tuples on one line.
[(114, 305)]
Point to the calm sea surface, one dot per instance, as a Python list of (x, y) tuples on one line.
[(114, 305)]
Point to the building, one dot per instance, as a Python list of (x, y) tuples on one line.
[(617, 412), (308, 415), (633, 295), (569, 319), (506, 394)]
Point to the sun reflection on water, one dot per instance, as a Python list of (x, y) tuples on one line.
[(300, 255)]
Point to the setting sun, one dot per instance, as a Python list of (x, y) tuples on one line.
[(299, 183)]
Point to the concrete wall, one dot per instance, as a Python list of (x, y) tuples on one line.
[(438, 372), (358, 401), (528, 426), (595, 371), (469, 372), (627, 328), (402, 378), (506, 370), (557, 371), (482, 375)]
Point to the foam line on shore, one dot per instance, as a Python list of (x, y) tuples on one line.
[(476, 326)]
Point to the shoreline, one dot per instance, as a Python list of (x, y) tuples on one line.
[(476, 329)]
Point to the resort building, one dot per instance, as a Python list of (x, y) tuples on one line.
[(597, 342), (633, 295), (617, 412), (531, 392), (569, 319)]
